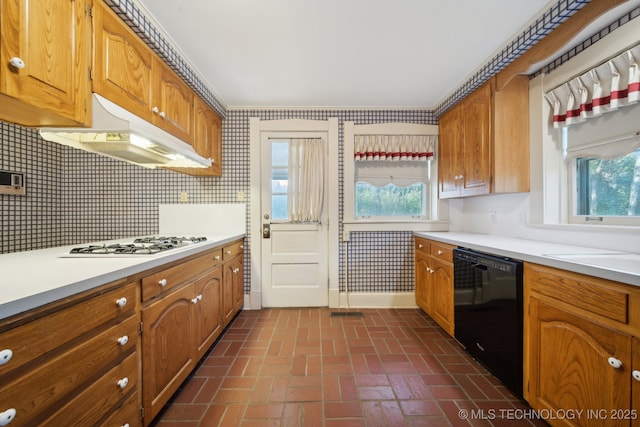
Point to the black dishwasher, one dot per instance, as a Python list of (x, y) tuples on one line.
[(489, 312)]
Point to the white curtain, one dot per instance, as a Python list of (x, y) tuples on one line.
[(605, 88), (394, 147), (306, 179)]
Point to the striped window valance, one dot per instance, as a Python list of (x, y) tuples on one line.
[(394, 147), (607, 87)]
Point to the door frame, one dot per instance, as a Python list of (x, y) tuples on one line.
[(256, 127)]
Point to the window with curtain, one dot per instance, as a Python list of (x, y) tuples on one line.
[(391, 174), (297, 179), (598, 113)]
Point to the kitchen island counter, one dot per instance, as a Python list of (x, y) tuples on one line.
[(31, 279), (623, 267)]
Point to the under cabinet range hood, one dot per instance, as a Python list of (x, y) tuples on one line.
[(119, 134)]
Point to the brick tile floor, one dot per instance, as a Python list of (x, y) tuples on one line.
[(302, 367)]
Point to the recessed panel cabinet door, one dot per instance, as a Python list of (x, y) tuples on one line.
[(45, 56), (442, 293), (476, 137), (208, 313), (167, 348), (123, 64), (173, 103), (570, 368), (450, 154)]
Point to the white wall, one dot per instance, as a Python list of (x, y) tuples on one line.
[(474, 215)]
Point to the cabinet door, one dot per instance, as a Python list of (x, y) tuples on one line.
[(208, 314), (227, 291), (172, 103), (122, 63), (422, 282), (442, 293), (568, 365), (238, 283), (167, 348), (52, 39), (476, 140), (450, 154)]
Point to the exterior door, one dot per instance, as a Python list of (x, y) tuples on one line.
[(294, 263)]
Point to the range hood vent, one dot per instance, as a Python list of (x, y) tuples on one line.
[(119, 134)]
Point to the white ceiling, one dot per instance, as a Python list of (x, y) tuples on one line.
[(339, 53)]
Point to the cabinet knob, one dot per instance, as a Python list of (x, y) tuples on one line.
[(636, 374), (163, 282), (121, 302), (123, 340), (122, 383), (241, 246), (217, 257), (155, 110), (17, 62), (162, 114), (5, 356), (420, 246), (615, 363), (125, 425), (7, 416), (196, 298), (439, 252), (228, 252), (430, 270)]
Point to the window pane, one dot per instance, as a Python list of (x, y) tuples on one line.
[(279, 207), (606, 187), (390, 200), (280, 153)]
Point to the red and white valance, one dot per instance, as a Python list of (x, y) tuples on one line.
[(607, 87), (394, 147)]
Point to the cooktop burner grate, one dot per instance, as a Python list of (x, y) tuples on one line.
[(141, 246)]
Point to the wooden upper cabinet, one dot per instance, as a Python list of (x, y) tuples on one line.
[(484, 142), (476, 142), (45, 51), (122, 69), (207, 139), (172, 103), (129, 73)]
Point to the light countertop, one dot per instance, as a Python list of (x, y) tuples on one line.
[(619, 266), (30, 279)]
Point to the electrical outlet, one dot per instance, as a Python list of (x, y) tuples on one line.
[(494, 218), (184, 196), (345, 236), (240, 196)]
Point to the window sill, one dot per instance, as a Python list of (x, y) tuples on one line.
[(391, 225)]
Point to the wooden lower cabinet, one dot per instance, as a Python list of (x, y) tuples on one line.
[(208, 316), (434, 281), (168, 355), (47, 377), (580, 350)]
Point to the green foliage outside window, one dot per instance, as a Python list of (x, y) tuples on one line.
[(389, 200), (609, 187)]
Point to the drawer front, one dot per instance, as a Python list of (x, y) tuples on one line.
[(34, 339), (157, 283), (442, 251), (129, 414), (100, 398), (232, 250), (585, 292), (58, 378), (422, 245)]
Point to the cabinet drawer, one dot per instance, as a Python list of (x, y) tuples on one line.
[(157, 283), (59, 378), (99, 398), (597, 296), (442, 251), (422, 245), (233, 249), (34, 339), (129, 414)]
